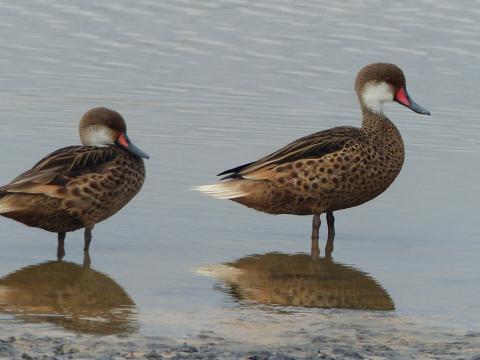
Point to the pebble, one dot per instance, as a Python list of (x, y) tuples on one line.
[(186, 348), (153, 355)]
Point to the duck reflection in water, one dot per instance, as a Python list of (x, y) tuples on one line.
[(299, 280), (69, 295)]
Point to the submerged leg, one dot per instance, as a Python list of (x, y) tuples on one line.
[(315, 251), (316, 225), (331, 234), (88, 238), (86, 260), (61, 246)]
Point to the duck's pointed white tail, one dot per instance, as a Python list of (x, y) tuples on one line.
[(229, 189), (4, 210), (6, 205), (220, 271)]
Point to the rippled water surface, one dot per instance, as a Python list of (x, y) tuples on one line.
[(205, 86)]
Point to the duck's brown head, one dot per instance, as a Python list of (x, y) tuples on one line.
[(381, 82), (102, 127)]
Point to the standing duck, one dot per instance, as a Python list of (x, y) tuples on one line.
[(78, 186), (332, 169)]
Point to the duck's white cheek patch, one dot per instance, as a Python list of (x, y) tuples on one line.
[(98, 137), (375, 94)]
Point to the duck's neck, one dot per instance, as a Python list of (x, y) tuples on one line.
[(378, 127), (385, 137)]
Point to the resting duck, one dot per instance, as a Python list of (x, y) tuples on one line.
[(332, 169), (78, 186)]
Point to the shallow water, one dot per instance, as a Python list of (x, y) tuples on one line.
[(208, 86)]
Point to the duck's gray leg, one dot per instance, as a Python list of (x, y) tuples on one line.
[(331, 234), (61, 246), (88, 238), (315, 251)]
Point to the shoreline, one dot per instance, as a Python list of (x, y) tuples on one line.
[(27, 341)]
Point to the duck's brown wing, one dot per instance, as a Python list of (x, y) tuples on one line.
[(58, 168), (312, 146)]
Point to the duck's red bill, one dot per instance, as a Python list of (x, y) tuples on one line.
[(125, 142), (404, 99)]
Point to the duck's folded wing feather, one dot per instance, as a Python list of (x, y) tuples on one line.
[(312, 146), (57, 169)]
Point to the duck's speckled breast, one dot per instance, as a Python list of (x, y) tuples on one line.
[(375, 168), (111, 188)]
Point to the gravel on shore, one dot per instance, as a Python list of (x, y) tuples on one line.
[(357, 343)]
